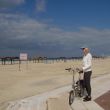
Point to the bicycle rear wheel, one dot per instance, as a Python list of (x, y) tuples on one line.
[(71, 97)]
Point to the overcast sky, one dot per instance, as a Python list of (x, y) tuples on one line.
[(54, 27)]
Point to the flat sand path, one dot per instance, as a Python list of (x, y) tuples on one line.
[(39, 77)]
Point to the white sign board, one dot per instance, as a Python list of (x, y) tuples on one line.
[(23, 56)]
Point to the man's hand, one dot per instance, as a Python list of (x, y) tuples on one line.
[(80, 70)]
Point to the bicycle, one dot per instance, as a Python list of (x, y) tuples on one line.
[(77, 87)]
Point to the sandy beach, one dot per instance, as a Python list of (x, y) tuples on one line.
[(36, 78)]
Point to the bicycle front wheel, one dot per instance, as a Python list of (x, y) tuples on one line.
[(71, 97)]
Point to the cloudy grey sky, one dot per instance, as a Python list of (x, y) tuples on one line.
[(38, 28)]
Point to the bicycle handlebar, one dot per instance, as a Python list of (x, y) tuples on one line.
[(68, 69), (76, 69)]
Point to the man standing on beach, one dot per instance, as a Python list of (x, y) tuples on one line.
[(86, 68)]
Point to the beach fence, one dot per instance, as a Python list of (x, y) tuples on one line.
[(9, 60), (23, 58)]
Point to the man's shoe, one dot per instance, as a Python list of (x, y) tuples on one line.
[(87, 99)]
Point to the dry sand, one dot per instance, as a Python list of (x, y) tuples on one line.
[(36, 78)]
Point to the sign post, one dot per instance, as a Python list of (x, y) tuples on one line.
[(23, 57), (19, 64)]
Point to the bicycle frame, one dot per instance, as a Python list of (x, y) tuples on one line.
[(76, 88)]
